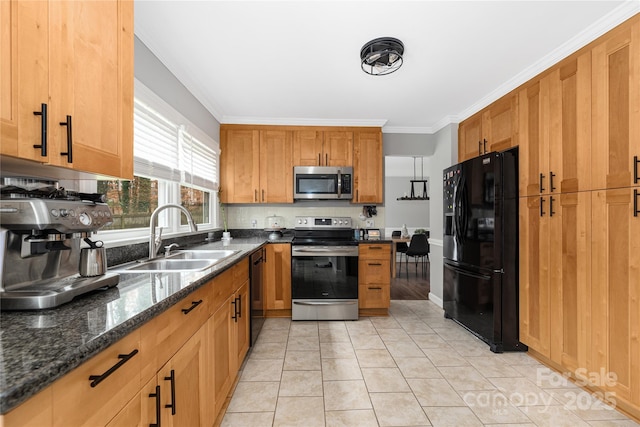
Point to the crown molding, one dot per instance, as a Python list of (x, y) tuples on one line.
[(242, 120)]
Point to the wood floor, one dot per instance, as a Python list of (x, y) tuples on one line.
[(411, 287)]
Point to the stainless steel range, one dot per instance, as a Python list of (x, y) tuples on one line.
[(324, 269), (41, 228)]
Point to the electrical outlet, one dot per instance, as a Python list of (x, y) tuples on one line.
[(254, 223), (369, 223)]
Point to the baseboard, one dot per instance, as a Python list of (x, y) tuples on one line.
[(436, 300)]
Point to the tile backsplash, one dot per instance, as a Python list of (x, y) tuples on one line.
[(243, 216)]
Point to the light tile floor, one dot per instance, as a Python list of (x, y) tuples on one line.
[(413, 368)]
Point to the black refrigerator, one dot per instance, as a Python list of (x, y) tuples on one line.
[(480, 289)]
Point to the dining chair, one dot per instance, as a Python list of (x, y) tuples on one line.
[(401, 247), (419, 251)]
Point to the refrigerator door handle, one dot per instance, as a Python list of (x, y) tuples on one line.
[(467, 272)]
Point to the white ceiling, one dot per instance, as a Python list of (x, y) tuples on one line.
[(298, 62)]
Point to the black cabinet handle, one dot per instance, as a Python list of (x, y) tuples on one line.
[(551, 212), (375, 288), (541, 206), (484, 145), (635, 202), (326, 159), (235, 310), (43, 129), (263, 195), (239, 306), (124, 358), (636, 174), (319, 161), (194, 304), (541, 182), (157, 396), (172, 405), (69, 152), (374, 263), (255, 195), (551, 175)]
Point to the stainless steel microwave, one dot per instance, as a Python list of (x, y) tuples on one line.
[(322, 182)]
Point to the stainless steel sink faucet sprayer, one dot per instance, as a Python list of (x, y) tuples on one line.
[(155, 241)]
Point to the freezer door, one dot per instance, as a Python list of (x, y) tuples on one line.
[(472, 298), (472, 213)]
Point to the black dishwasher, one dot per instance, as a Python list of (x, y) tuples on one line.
[(257, 293)]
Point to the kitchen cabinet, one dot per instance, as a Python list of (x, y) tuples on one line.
[(277, 279), (95, 392), (367, 167), (374, 278), (322, 148), (256, 165), (615, 293), (616, 109), (185, 360), (554, 276), (71, 63), (495, 128), (555, 130)]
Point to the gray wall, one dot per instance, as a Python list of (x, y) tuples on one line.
[(408, 144), (152, 73), (445, 155)]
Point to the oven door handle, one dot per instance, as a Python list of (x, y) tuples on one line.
[(327, 252), (325, 303)]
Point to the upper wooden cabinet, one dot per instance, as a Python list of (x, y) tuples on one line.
[(76, 60), (255, 165), (493, 129), (616, 109), (367, 167), (322, 148), (555, 130)]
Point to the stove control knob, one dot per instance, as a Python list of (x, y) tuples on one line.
[(64, 213), (55, 213)]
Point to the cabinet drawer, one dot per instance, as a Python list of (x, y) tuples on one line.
[(374, 296), (241, 272), (175, 326), (374, 271), (76, 402), (374, 251), (223, 287)]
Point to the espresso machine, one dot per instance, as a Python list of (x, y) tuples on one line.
[(41, 230)]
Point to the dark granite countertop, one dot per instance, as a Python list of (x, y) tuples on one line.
[(38, 347)]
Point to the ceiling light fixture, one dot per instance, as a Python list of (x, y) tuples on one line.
[(381, 56)]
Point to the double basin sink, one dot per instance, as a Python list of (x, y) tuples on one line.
[(178, 261)]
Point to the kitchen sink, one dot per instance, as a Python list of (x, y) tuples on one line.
[(179, 261)]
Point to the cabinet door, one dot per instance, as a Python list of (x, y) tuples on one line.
[(533, 109), (91, 80), (307, 148), (500, 124), (338, 148), (221, 332), (470, 138), (276, 167), (570, 263), (277, 275), (240, 166), (367, 167), (534, 274), (616, 109), (183, 382), (242, 324), (143, 410), (569, 127), (24, 70), (615, 290)]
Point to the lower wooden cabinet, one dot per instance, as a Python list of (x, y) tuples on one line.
[(178, 368), (277, 279), (374, 278), (580, 288)]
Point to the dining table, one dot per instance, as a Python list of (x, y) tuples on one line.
[(395, 241)]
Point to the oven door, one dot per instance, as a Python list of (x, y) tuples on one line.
[(324, 282)]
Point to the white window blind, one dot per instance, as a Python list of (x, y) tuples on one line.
[(164, 149)]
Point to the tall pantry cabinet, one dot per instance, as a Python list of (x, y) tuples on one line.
[(579, 136)]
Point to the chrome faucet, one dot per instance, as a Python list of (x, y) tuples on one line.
[(167, 249), (154, 241)]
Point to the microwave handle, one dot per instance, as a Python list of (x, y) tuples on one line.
[(339, 184)]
